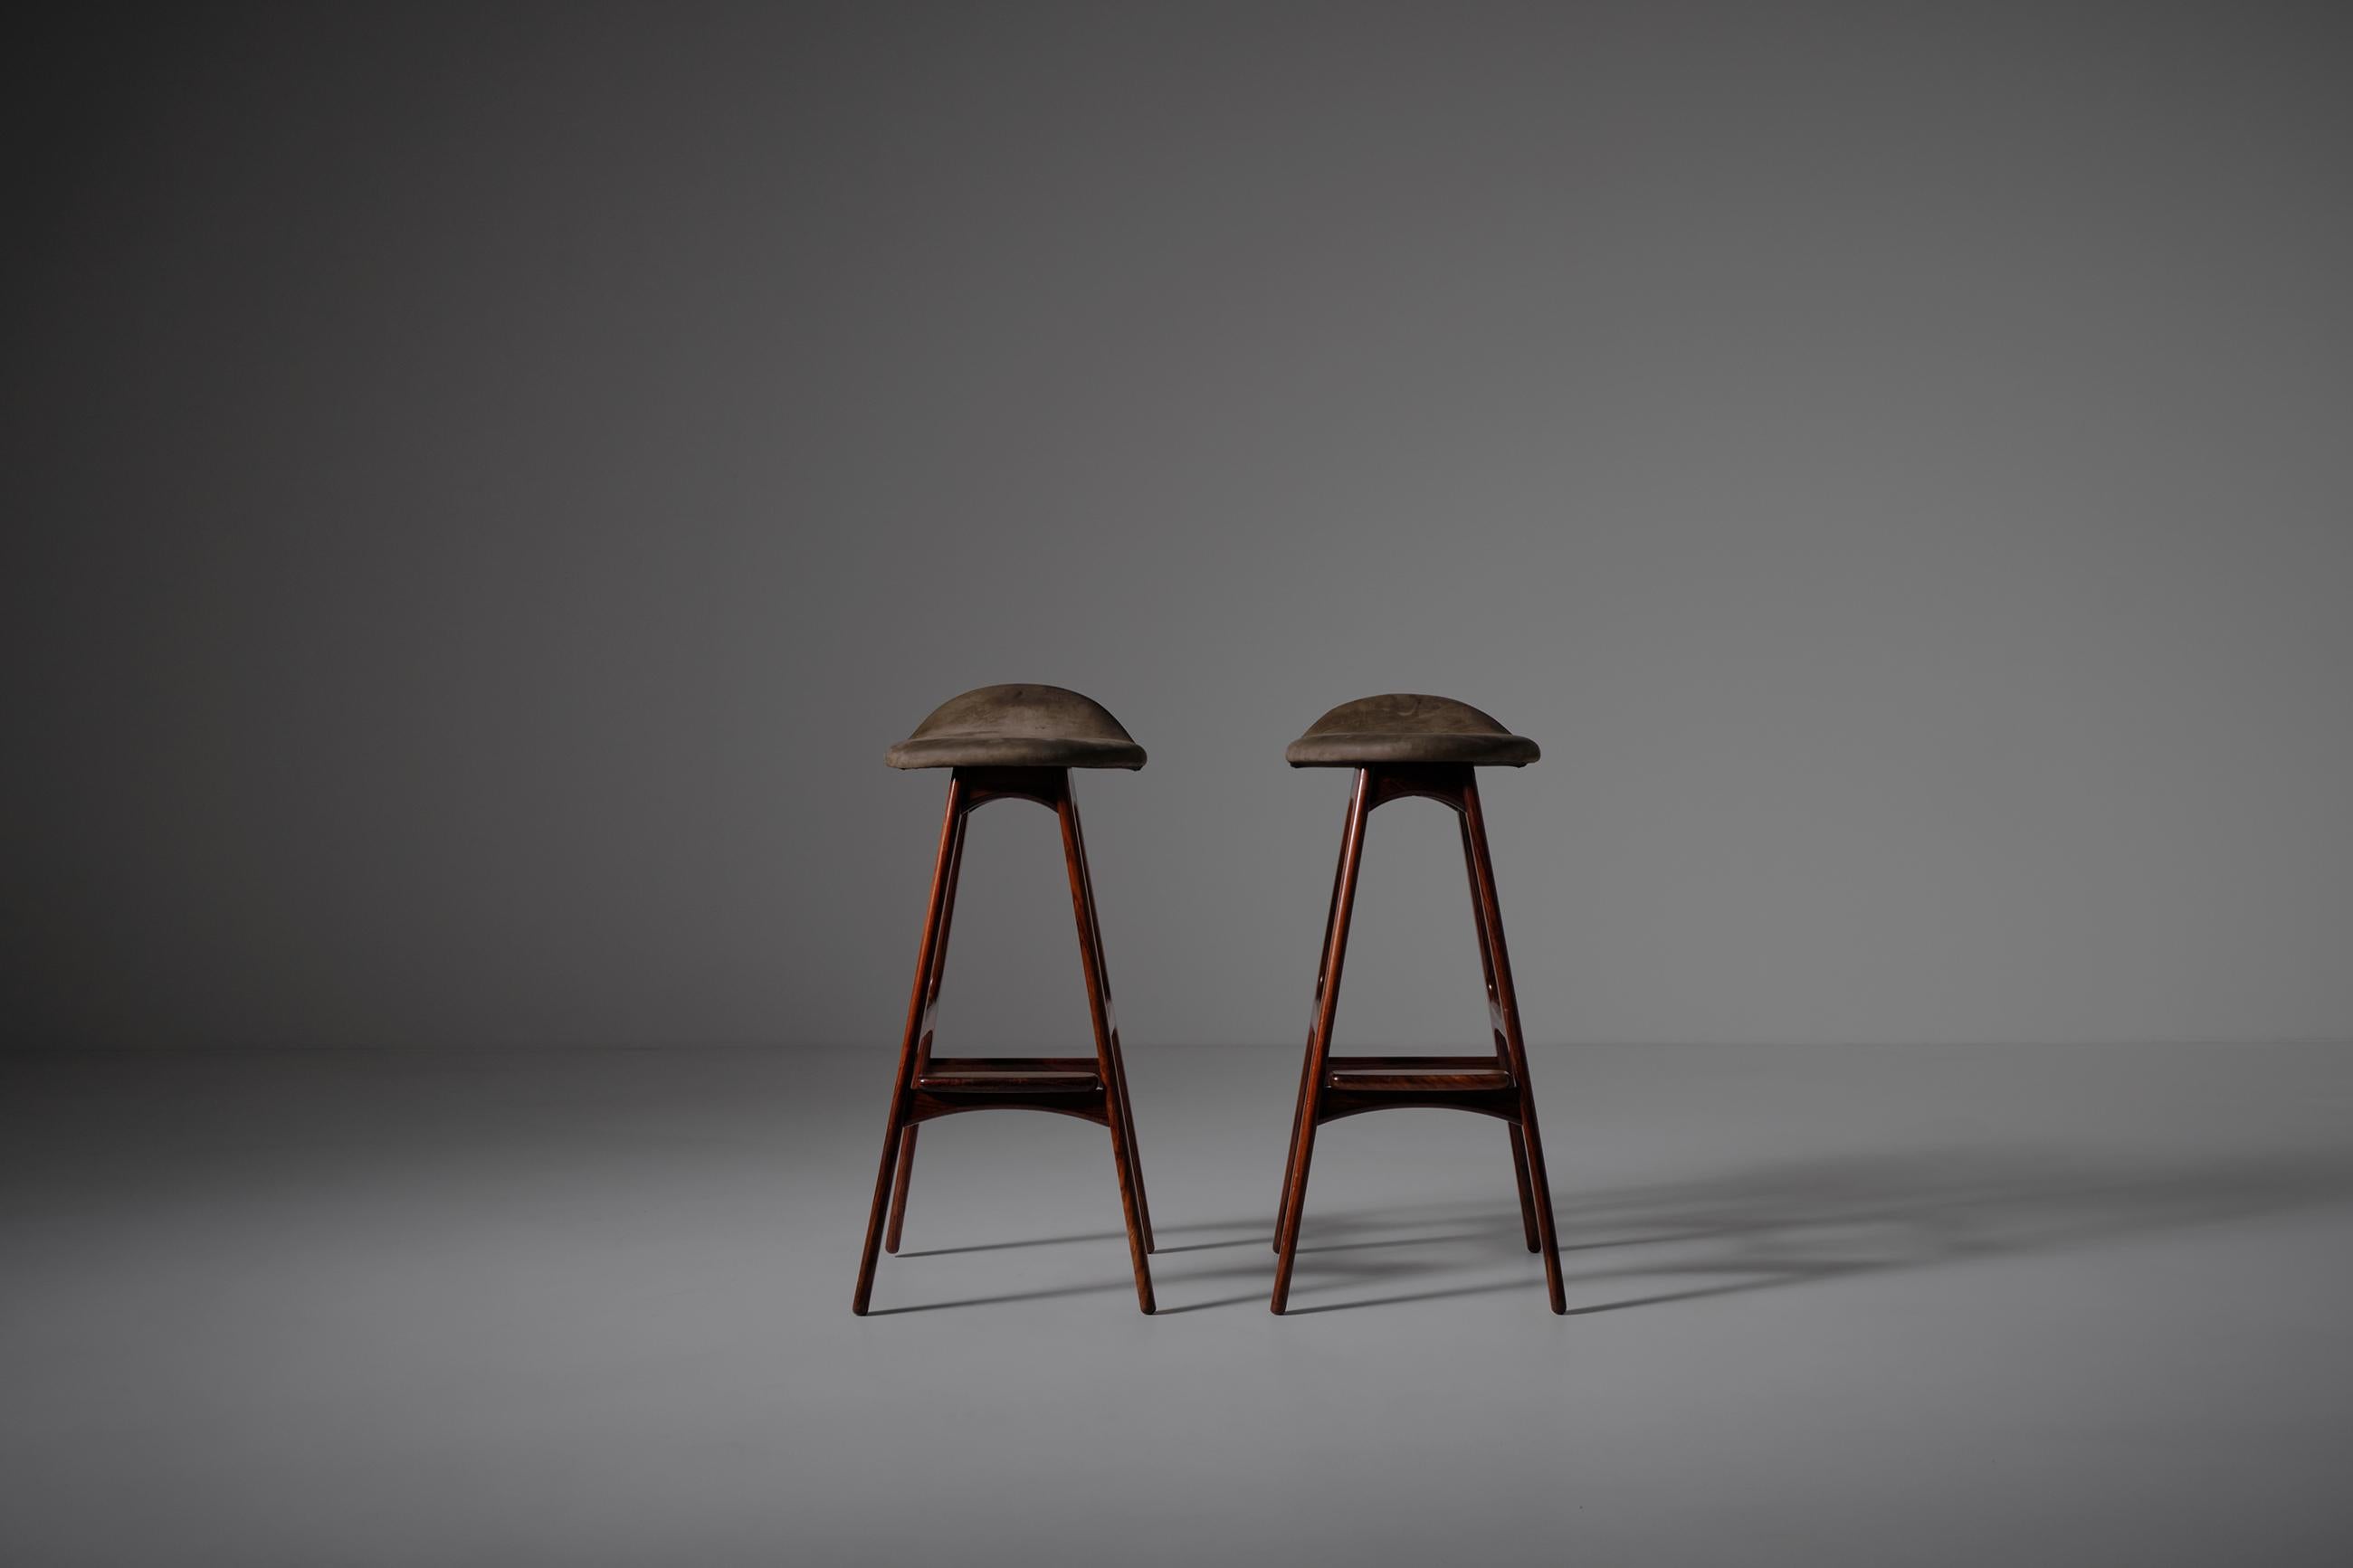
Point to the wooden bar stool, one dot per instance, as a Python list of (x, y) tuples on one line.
[(1400, 745), (1009, 742)]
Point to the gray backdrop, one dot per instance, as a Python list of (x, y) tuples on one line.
[(485, 488)]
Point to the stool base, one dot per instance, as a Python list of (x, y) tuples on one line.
[(1093, 1088), (1331, 1086)]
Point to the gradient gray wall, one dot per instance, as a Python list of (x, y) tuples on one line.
[(485, 488)]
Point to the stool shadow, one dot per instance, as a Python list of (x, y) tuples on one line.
[(1797, 1222), (1749, 1228), (1256, 1233)]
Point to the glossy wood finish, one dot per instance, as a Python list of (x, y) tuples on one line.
[(930, 988), (1305, 1119), (1093, 1088), (1505, 1009), (1010, 1075), (1496, 1085), (1528, 1232), (1113, 1062), (1416, 1072)]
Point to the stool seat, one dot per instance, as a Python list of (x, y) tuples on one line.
[(1018, 727), (1406, 727)]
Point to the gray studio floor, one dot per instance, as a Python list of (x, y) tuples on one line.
[(2069, 1306)]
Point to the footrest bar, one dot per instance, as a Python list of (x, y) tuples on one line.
[(1011, 1075), (1378, 1073)]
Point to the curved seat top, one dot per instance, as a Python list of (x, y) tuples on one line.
[(1018, 727), (1407, 726)]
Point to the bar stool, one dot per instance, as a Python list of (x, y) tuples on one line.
[(1009, 742), (1403, 744)]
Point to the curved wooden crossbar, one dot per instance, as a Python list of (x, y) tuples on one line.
[(1504, 1104), (1067, 1086), (930, 1107)]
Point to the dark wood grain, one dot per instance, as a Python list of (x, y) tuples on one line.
[(1490, 915), (1093, 1089), (1492, 1084), (1091, 941), (1011, 1075), (930, 1104), (1416, 1072), (1319, 1038), (1106, 1028), (1305, 1100), (923, 1044), (1528, 1232), (918, 1015)]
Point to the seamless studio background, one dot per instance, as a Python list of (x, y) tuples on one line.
[(486, 484)]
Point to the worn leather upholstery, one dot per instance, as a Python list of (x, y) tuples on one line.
[(1018, 727), (1406, 727)]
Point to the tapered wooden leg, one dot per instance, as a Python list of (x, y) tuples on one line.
[(1303, 1105), (1491, 919), (1528, 1232), (918, 1007), (1130, 1191), (898, 1191), (1554, 1288), (1123, 1107), (1302, 1153), (1301, 1109), (891, 1136), (1495, 1015), (923, 1043)]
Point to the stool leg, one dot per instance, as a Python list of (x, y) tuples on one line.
[(1490, 918), (1319, 1045), (1123, 1105), (898, 1225), (1082, 900), (1125, 1109), (1299, 1109), (895, 1128), (1527, 1194), (1502, 1054), (924, 1046)]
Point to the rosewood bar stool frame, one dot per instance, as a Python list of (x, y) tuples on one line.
[(1364, 733), (1021, 723)]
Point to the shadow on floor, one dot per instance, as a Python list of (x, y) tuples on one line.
[(1792, 1222), (1738, 1230)]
